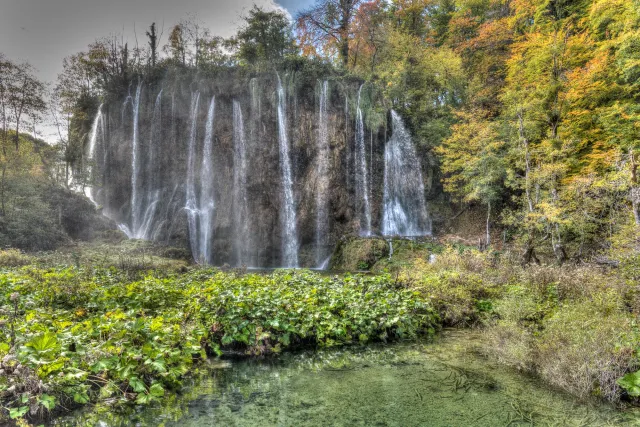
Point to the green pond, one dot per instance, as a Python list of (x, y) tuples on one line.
[(444, 382)]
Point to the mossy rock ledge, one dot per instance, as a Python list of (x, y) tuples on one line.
[(358, 253)]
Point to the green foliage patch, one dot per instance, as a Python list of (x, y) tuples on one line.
[(72, 336)]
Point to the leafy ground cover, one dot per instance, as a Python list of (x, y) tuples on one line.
[(119, 334), (70, 336)]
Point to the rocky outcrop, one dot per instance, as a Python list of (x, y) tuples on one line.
[(165, 178)]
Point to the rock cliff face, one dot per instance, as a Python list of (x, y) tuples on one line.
[(155, 175)]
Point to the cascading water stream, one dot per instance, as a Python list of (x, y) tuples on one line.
[(404, 209), (362, 182), (136, 206), (240, 202), (98, 126), (322, 173), (191, 199), (152, 190), (206, 203), (255, 97), (288, 211)]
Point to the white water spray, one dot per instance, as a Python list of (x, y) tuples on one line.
[(97, 127), (135, 166), (288, 211), (206, 203), (192, 201), (362, 181), (240, 202), (404, 211), (322, 172)]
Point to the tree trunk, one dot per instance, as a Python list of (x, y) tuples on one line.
[(344, 51), (345, 22), (560, 253), (3, 211), (634, 195), (527, 159), (530, 255), (17, 140), (488, 224)]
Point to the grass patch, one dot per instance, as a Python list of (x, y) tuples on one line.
[(574, 326)]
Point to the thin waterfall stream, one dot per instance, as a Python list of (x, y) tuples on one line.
[(96, 128), (152, 188), (136, 217), (288, 213), (241, 220), (362, 181), (206, 203), (322, 172), (191, 198)]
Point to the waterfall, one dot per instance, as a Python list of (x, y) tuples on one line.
[(152, 192), (93, 138), (362, 182), (322, 173), (135, 166), (240, 202), (147, 220), (324, 265), (255, 96), (346, 130), (154, 141), (192, 202), (288, 211), (404, 206), (207, 204)]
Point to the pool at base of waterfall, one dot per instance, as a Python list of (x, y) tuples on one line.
[(443, 382)]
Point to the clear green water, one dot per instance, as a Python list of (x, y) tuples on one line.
[(441, 383)]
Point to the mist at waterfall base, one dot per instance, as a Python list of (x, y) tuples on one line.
[(266, 172)]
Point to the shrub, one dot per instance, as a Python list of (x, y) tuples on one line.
[(13, 258), (585, 351), (462, 297)]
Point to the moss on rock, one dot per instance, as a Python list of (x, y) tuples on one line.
[(354, 253)]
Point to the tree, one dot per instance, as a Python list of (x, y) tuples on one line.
[(474, 163), (215, 51), (410, 16), (24, 95), (265, 36), (327, 27), (176, 47), (7, 74), (482, 34), (369, 34), (153, 44), (186, 40), (423, 82)]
